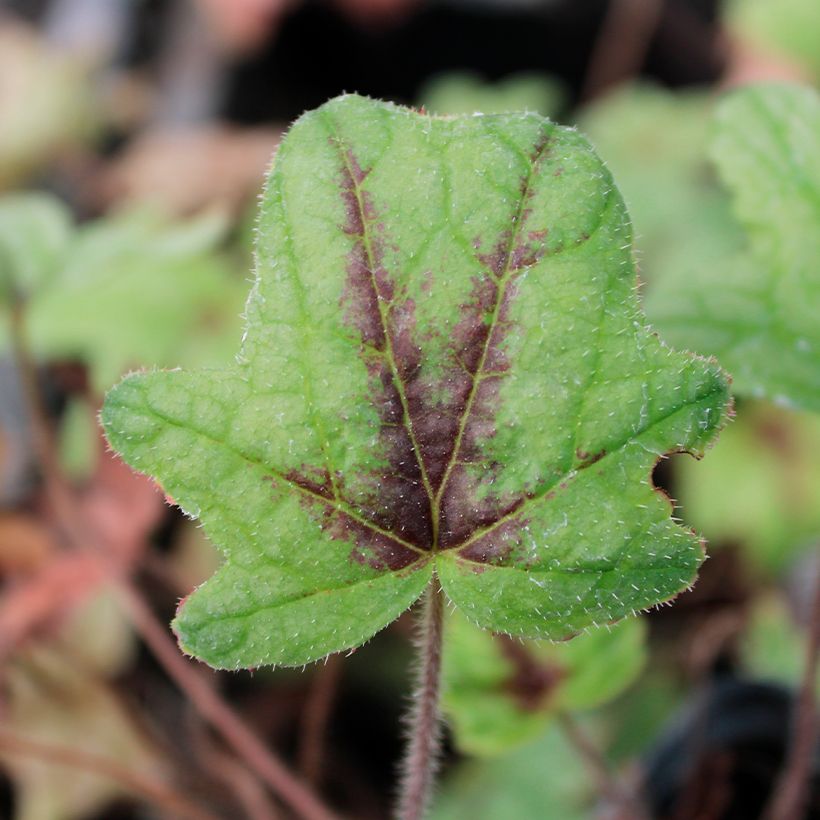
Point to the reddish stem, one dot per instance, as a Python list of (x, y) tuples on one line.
[(421, 760)]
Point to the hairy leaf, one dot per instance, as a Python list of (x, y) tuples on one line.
[(757, 311), (445, 372), (500, 692)]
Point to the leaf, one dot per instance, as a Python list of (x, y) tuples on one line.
[(34, 233), (445, 372), (463, 92), (655, 143), (125, 291), (760, 316), (499, 692), (787, 27), (760, 486), (774, 643), (544, 780)]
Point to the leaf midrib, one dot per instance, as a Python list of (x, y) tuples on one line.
[(501, 290)]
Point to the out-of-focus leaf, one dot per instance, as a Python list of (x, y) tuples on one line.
[(758, 311), (655, 143), (78, 439), (124, 292), (445, 371), (787, 26), (760, 485), (35, 231), (462, 92), (544, 780), (500, 692), (774, 645)]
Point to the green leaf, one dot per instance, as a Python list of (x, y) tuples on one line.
[(655, 143), (123, 292), (445, 371), (463, 92), (34, 234), (757, 311), (778, 27), (760, 486), (544, 780), (500, 692)]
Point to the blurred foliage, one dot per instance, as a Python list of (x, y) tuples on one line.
[(759, 487), (463, 92), (757, 310), (544, 780), (500, 692), (774, 645), (123, 292), (790, 27), (78, 439), (654, 142)]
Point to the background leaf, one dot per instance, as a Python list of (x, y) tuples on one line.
[(499, 692), (759, 316)]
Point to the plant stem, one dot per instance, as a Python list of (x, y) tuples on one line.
[(788, 800), (82, 538), (609, 786), (421, 759), (138, 785), (315, 716)]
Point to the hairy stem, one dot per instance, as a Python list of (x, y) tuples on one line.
[(788, 801), (82, 537), (141, 786), (421, 759)]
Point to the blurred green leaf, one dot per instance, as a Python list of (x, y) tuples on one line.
[(79, 439), (35, 232), (758, 310), (544, 780), (789, 27), (655, 143), (759, 486), (500, 692), (123, 292), (774, 645), (463, 92)]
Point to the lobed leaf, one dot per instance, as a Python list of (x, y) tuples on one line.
[(445, 372)]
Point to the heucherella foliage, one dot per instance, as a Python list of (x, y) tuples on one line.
[(445, 374), (757, 310), (500, 692)]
